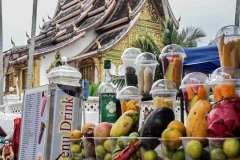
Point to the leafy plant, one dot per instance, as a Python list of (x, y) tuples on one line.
[(94, 89)]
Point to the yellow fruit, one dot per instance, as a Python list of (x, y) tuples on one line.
[(170, 138), (86, 126), (196, 125), (178, 125), (75, 134), (123, 106)]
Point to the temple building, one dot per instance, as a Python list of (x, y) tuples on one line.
[(86, 32)]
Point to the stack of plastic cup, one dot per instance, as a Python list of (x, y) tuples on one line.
[(194, 87), (225, 83), (172, 57), (164, 93), (128, 58), (146, 65)]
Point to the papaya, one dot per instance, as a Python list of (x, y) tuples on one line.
[(125, 124), (155, 123), (196, 125)]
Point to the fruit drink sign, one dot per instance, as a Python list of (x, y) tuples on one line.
[(47, 120), (34, 120)]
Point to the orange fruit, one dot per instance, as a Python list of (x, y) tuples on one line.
[(170, 138), (178, 125), (75, 134), (123, 106)]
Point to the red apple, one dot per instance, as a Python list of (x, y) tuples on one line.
[(102, 129)]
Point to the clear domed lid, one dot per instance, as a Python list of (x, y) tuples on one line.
[(129, 92), (146, 58), (171, 50), (194, 78), (222, 74), (130, 53), (163, 85)]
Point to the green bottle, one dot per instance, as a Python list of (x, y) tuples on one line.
[(107, 96)]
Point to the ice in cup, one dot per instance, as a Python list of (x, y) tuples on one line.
[(194, 87), (225, 83), (128, 58), (164, 93), (146, 65), (172, 57)]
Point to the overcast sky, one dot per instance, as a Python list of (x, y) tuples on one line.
[(210, 15)]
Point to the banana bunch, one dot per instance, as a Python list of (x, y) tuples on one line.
[(126, 123)]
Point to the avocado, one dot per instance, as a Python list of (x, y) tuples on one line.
[(154, 125)]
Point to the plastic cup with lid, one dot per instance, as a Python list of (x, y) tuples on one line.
[(225, 83), (194, 87), (172, 57), (130, 99), (128, 58), (146, 63), (164, 93)]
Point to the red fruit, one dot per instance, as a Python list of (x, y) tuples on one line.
[(224, 119)]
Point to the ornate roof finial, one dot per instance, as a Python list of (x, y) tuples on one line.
[(81, 4), (129, 9), (13, 44), (43, 20), (57, 26), (74, 27), (27, 35), (98, 44), (41, 29), (61, 2), (49, 17)]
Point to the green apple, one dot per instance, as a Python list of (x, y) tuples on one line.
[(120, 142), (76, 148)]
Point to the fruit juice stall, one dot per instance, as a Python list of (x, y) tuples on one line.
[(211, 129)]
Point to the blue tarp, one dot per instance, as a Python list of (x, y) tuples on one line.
[(201, 59)]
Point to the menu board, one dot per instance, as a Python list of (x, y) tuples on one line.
[(34, 120)]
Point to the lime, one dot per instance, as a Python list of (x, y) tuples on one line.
[(150, 155), (217, 154), (168, 153), (194, 149), (108, 156), (100, 151), (179, 155), (120, 142), (231, 147), (106, 145)]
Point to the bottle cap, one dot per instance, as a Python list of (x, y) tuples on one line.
[(107, 64)]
